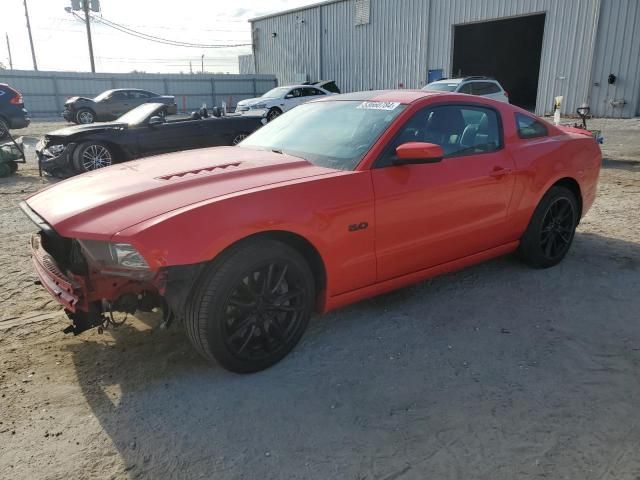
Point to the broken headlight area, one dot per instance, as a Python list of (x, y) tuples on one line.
[(116, 259)]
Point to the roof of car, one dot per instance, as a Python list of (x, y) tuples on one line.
[(400, 96)]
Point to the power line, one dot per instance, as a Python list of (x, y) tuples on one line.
[(153, 38)]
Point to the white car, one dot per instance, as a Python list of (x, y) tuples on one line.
[(481, 86), (281, 99)]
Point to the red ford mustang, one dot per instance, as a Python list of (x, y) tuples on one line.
[(338, 200)]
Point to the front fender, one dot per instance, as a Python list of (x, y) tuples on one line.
[(319, 210)]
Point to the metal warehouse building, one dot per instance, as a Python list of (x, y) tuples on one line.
[(585, 50)]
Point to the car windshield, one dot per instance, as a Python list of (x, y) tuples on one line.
[(140, 114), (332, 134), (441, 87), (276, 92), (103, 95)]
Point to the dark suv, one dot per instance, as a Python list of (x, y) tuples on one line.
[(13, 115)]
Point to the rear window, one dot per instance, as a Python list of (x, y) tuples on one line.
[(529, 127), (485, 88), (441, 87)]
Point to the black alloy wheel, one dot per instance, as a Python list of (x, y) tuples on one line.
[(263, 312), (551, 229), (558, 226), (251, 305)]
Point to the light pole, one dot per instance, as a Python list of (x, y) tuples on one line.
[(202, 62), (33, 51), (85, 7)]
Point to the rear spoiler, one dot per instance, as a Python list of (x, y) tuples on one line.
[(596, 134)]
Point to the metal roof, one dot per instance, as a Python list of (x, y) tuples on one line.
[(297, 9)]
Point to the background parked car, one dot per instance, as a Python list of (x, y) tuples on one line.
[(13, 115), (281, 99), (138, 133), (480, 86), (111, 104)]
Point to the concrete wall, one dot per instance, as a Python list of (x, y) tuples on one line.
[(45, 92), (406, 38)]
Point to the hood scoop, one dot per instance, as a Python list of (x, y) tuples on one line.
[(199, 171)]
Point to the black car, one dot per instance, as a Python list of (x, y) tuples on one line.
[(111, 104), (138, 133), (13, 115)]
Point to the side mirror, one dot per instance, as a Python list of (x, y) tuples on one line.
[(155, 120), (412, 153)]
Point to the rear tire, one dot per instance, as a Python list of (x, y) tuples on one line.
[(551, 229), (251, 306), (90, 156)]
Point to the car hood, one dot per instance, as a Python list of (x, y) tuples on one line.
[(97, 205), (71, 100), (252, 101), (92, 127)]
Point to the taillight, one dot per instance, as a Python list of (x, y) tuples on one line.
[(506, 94), (17, 96)]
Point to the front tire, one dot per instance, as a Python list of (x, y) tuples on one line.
[(273, 113), (251, 306), (238, 138), (90, 156), (551, 229), (84, 116)]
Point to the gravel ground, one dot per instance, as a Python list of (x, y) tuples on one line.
[(494, 372)]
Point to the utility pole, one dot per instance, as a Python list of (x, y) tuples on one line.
[(190, 68), (33, 51), (85, 7), (202, 62), (9, 49)]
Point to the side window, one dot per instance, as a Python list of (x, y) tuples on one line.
[(309, 92), (529, 127), (466, 88), (119, 95), (459, 129), (295, 93), (485, 88), (317, 92)]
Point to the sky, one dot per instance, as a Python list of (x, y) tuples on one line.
[(61, 43)]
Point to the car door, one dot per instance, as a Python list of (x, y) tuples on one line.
[(293, 98), (170, 136), (430, 214), (119, 103)]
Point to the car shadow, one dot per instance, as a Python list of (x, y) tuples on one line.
[(494, 369), (618, 164)]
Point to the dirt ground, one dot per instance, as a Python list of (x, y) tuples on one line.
[(495, 372)]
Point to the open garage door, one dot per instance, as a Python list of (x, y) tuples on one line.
[(508, 50)]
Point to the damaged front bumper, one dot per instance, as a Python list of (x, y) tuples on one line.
[(59, 164), (88, 297)]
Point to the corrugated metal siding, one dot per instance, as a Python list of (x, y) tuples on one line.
[(45, 92), (618, 52), (405, 38), (245, 64), (566, 44), (292, 53)]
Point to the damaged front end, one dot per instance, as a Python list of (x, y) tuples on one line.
[(94, 279)]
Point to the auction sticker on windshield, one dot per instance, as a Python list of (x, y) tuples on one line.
[(379, 105)]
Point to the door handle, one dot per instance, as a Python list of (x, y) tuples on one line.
[(498, 172)]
